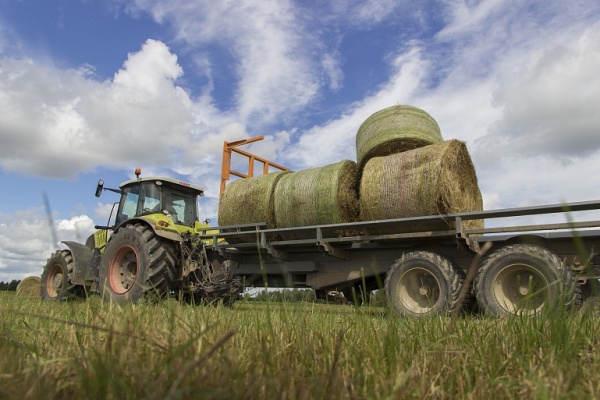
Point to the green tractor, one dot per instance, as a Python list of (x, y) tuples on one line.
[(152, 250)]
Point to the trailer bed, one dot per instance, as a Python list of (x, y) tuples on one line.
[(361, 256)]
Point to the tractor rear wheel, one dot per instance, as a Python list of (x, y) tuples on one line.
[(136, 263), (423, 284), (55, 283)]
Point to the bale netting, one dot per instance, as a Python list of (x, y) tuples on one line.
[(249, 200), (317, 196), (29, 287), (393, 130), (432, 180)]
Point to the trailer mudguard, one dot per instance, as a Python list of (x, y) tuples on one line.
[(82, 255)]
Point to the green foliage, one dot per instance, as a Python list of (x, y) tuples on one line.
[(284, 295), (94, 350), (9, 286)]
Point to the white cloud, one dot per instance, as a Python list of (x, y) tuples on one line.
[(362, 13), (271, 50), (467, 15), (77, 228), (551, 107), (26, 240), (103, 211), (68, 123), (150, 72), (333, 70), (335, 140), (534, 181)]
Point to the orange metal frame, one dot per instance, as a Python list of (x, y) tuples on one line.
[(232, 147)]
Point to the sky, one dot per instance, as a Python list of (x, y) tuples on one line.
[(91, 90)]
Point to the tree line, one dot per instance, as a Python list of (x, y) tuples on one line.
[(10, 286), (285, 295), (376, 298)]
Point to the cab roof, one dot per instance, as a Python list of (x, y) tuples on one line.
[(169, 181)]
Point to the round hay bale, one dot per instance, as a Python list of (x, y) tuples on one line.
[(393, 130), (431, 180), (29, 286), (250, 200), (317, 196)]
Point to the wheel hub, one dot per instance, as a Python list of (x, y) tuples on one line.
[(419, 290), (520, 287), (123, 270), (55, 280), (523, 290)]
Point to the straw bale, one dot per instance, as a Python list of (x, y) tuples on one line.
[(316, 196), (29, 286), (250, 200), (431, 180), (393, 130)]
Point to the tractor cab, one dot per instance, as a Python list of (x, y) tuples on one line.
[(153, 195), (158, 196)]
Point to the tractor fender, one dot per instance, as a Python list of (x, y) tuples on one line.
[(174, 236), (166, 233), (82, 255)]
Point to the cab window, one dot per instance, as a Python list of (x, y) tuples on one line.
[(150, 198), (129, 203), (182, 207)]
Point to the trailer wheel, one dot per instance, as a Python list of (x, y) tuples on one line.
[(136, 263), (423, 284), (55, 283), (524, 279)]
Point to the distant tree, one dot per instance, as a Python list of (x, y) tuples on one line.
[(378, 298), (263, 295), (247, 296), (12, 286)]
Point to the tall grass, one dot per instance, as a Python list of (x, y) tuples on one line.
[(288, 351)]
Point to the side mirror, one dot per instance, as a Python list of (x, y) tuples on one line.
[(99, 188)]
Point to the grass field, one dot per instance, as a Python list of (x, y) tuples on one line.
[(287, 351)]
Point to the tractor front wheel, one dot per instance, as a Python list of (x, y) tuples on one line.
[(136, 263), (55, 283)]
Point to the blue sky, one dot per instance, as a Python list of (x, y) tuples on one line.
[(93, 89)]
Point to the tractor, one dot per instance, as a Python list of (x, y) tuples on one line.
[(152, 250)]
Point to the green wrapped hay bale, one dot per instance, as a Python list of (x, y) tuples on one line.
[(431, 180), (250, 200), (317, 196), (29, 287), (394, 130)]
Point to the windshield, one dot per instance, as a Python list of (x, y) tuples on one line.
[(154, 197)]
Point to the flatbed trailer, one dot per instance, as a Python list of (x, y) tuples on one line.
[(525, 269)]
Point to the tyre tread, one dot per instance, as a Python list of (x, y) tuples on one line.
[(569, 287), (453, 275)]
